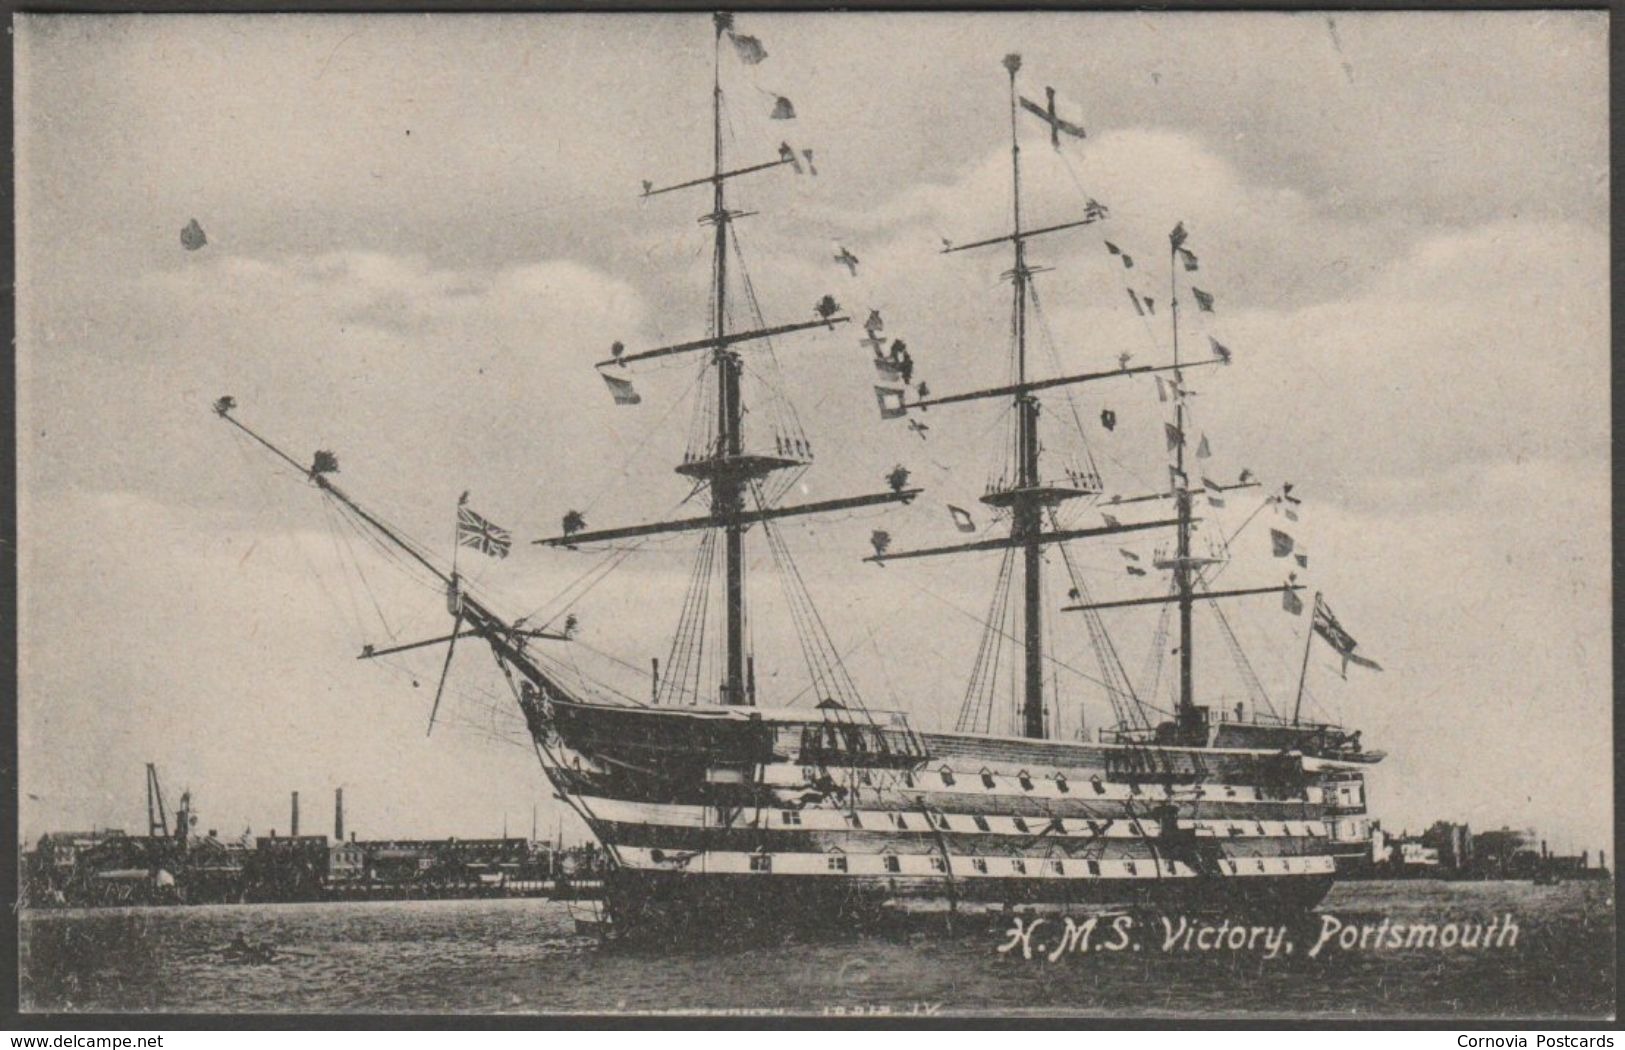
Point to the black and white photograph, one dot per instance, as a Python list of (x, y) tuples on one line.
[(872, 516)]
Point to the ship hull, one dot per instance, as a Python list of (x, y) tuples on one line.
[(728, 820)]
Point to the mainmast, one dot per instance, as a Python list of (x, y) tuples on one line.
[(1026, 509), (1029, 498)]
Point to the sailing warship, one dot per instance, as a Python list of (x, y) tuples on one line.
[(715, 809)]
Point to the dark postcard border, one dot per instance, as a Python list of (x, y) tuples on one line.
[(11, 1016)]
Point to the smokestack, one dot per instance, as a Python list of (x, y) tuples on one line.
[(294, 821), (654, 681), (1543, 849), (338, 814)]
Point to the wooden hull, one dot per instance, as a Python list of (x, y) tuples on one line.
[(722, 820)]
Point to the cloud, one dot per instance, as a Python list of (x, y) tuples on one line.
[(1491, 614), (351, 350), (1360, 357), (1445, 357)]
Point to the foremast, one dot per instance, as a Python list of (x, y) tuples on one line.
[(729, 470), (726, 486)]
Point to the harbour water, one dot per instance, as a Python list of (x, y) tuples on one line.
[(525, 957)]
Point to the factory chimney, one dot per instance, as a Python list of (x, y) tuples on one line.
[(294, 832), (338, 814)]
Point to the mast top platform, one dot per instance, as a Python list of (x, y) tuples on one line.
[(738, 468), (1043, 495)]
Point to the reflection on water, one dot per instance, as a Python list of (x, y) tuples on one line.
[(524, 956)]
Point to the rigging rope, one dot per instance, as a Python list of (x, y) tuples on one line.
[(1092, 475), (976, 709), (689, 637), (648, 436), (1157, 657), (786, 422), (836, 674), (1255, 688), (1120, 693)]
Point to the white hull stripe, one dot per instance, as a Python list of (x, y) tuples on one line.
[(1039, 784), (836, 863), (677, 815)]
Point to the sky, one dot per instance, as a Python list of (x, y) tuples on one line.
[(423, 230)]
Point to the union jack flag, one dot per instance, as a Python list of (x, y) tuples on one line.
[(1326, 625), (480, 534)]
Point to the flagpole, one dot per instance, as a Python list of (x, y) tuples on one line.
[(456, 534), (455, 593), (1309, 638)]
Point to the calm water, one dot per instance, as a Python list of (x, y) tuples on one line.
[(523, 956)]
